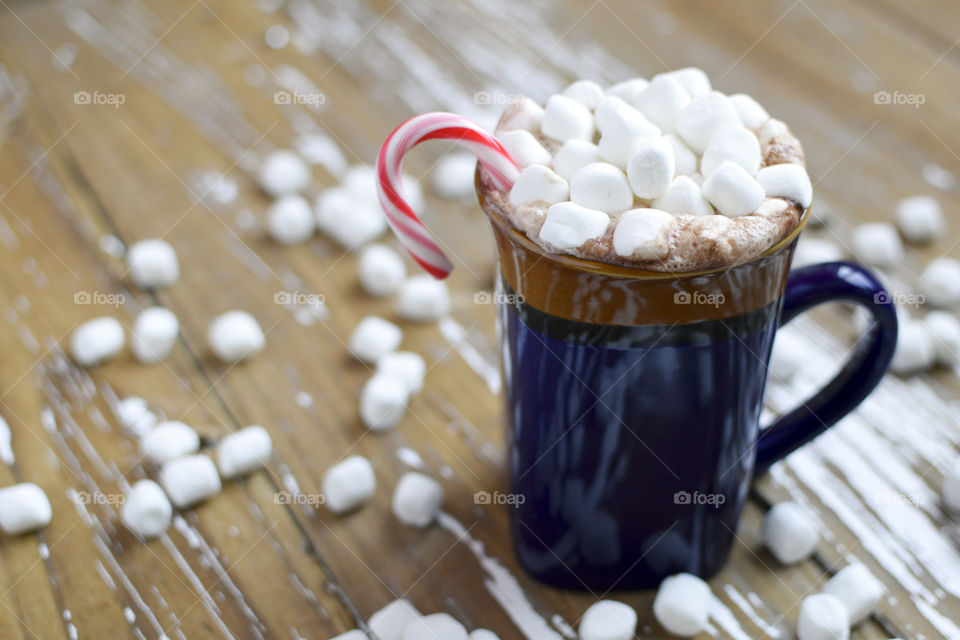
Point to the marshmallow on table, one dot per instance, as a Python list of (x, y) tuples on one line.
[(381, 269), (823, 617), (347, 485), (685, 159), (736, 144), (350, 220), (786, 181), (623, 128), (389, 622), (235, 336), (538, 182), (568, 225), (661, 101), (940, 282), (383, 402), (694, 80), (920, 219), (683, 196), (482, 634), (608, 620), (786, 359), (916, 350), (244, 451), (523, 148), (422, 298), (373, 338), (650, 167), (703, 117), (23, 507), (877, 244), (290, 220), (628, 90), (950, 489), (146, 509), (601, 186), (155, 332), (642, 234), (284, 172), (169, 440), (944, 328), (858, 590), (153, 264), (417, 499), (789, 533), (814, 251), (682, 605), (573, 155), (732, 190), (453, 176), (435, 625), (96, 340), (189, 480), (565, 118), (405, 365), (586, 92), (751, 114)]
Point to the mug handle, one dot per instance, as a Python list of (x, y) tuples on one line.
[(809, 287)]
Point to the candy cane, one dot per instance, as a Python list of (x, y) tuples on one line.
[(402, 218)]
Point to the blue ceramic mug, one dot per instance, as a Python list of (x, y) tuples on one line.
[(633, 400)]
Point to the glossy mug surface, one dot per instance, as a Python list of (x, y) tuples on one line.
[(633, 400)]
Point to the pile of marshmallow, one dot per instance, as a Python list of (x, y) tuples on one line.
[(638, 154), (400, 620)]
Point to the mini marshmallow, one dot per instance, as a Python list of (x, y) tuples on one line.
[(383, 402), (586, 92), (290, 220), (651, 167), (347, 485), (682, 605), (453, 176), (877, 244), (189, 480), (732, 190), (146, 510), (858, 590), (389, 622), (373, 338), (606, 110), (662, 100), (235, 336), (423, 298), (940, 282), (623, 128), (155, 332), (405, 365), (417, 499), (351, 221), (435, 625), (789, 532), (628, 90), (538, 182), (284, 172), (565, 118), (686, 159), (642, 234), (573, 155), (916, 350), (382, 270), (822, 617), (683, 196), (96, 341), (920, 219), (695, 81), (482, 634), (814, 251), (523, 148), (244, 451), (169, 440), (787, 357), (944, 328), (704, 116), (24, 507), (751, 114), (601, 186), (950, 489), (523, 113), (608, 620), (153, 264), (736, 144), (568, 225), (786, 181)]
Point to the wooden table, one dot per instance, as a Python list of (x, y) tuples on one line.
[(175, 160)]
